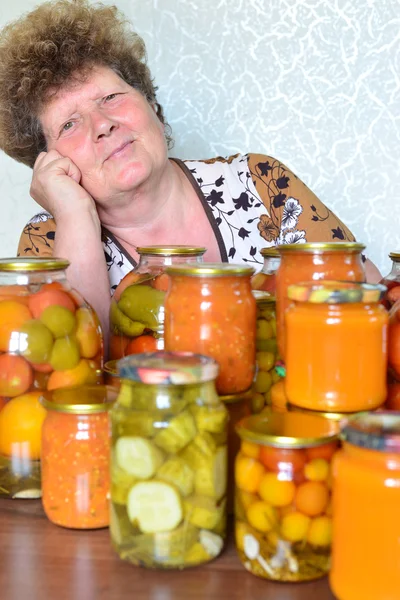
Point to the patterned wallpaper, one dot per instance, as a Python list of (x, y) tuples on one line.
[(315, 83)]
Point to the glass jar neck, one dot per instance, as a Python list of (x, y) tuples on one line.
[(373, 458), (139, 396), (212, 282), (271, 265), (395, 270), (159, 260), (33, 279)]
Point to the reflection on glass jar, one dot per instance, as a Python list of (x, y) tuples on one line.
[(336, 346), (210, 309), (76, 457), (265, 280), (169, 461), (283, 512), (392, 281), (366, 528), (314, 262), (137, 307), (111, 376), (49, 338)]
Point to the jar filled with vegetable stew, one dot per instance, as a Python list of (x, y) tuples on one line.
[(49, 338), (336, 346), (366, 527), (137, 306), (169, 461), (283, 524), (210, 309), (76, 456), (314, 262)]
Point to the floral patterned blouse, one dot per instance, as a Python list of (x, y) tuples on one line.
[(252, 202)]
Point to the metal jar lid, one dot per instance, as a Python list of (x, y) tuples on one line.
[(84, 400), (270, 252), (336, 292), (171, 250), (375, 431), (321, 247), (25, 265), (333, 416), (263, 298), (211, 270), (168, 368), (395, 256), (287, 430)]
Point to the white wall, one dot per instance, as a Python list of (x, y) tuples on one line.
[(315, 83)]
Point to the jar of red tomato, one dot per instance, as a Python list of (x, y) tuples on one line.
[(76, 456), (265, 279), (210, 309), (314, 262), (137, 307), (49, 338), (392, 281), (283, 520)]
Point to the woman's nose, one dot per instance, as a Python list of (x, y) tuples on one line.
[(102, 124)]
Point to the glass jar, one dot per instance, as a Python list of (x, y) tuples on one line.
[(392, 281), (76, 456), (336, 346), (283, 518), (266, 350), (49, 338), (137, 306), (239, 406), (111, 376), (366, 527), (314, 262), (265, 279), (210, 309), (169, 461), (394, 343)]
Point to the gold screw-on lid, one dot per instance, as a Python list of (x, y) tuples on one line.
[(270, 252), (320, 247), (171, 250), (85, 400), (24, 265), (287, 430), (210, 270)]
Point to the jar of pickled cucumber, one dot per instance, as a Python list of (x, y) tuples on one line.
[(75, 456), (169, 461), (283, 520), (265, 279), (210, 309), (137, 306), (266, 350), (49, 338)]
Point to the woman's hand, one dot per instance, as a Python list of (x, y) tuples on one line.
[(55, 186)]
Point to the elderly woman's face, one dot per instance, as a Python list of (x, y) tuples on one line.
[(109, 130)]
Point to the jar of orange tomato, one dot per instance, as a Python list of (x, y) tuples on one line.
[(210, 309), (366, 527), (137, 307), (392, 281), (76, 456), (283, 524), (336, 346), (314, 262), (265, 279), (49, 338)]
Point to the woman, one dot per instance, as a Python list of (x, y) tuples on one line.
[(78, 105)]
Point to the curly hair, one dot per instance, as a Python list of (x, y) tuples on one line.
[(46, 48)]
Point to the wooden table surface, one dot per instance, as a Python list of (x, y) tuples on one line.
[(40, 561)]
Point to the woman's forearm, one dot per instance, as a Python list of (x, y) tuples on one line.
[(78, 239)]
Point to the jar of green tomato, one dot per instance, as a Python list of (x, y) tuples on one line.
[(137, 307), (168, 461)]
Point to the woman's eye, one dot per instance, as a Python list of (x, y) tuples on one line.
[(110, 97), (67, 126)]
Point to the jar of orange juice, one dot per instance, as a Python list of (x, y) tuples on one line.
[(336, 342), (314, 262), (76, 456), (283, 507), (137, 307), (210, 309), (265, 279), (366, 527), (49, 338)]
